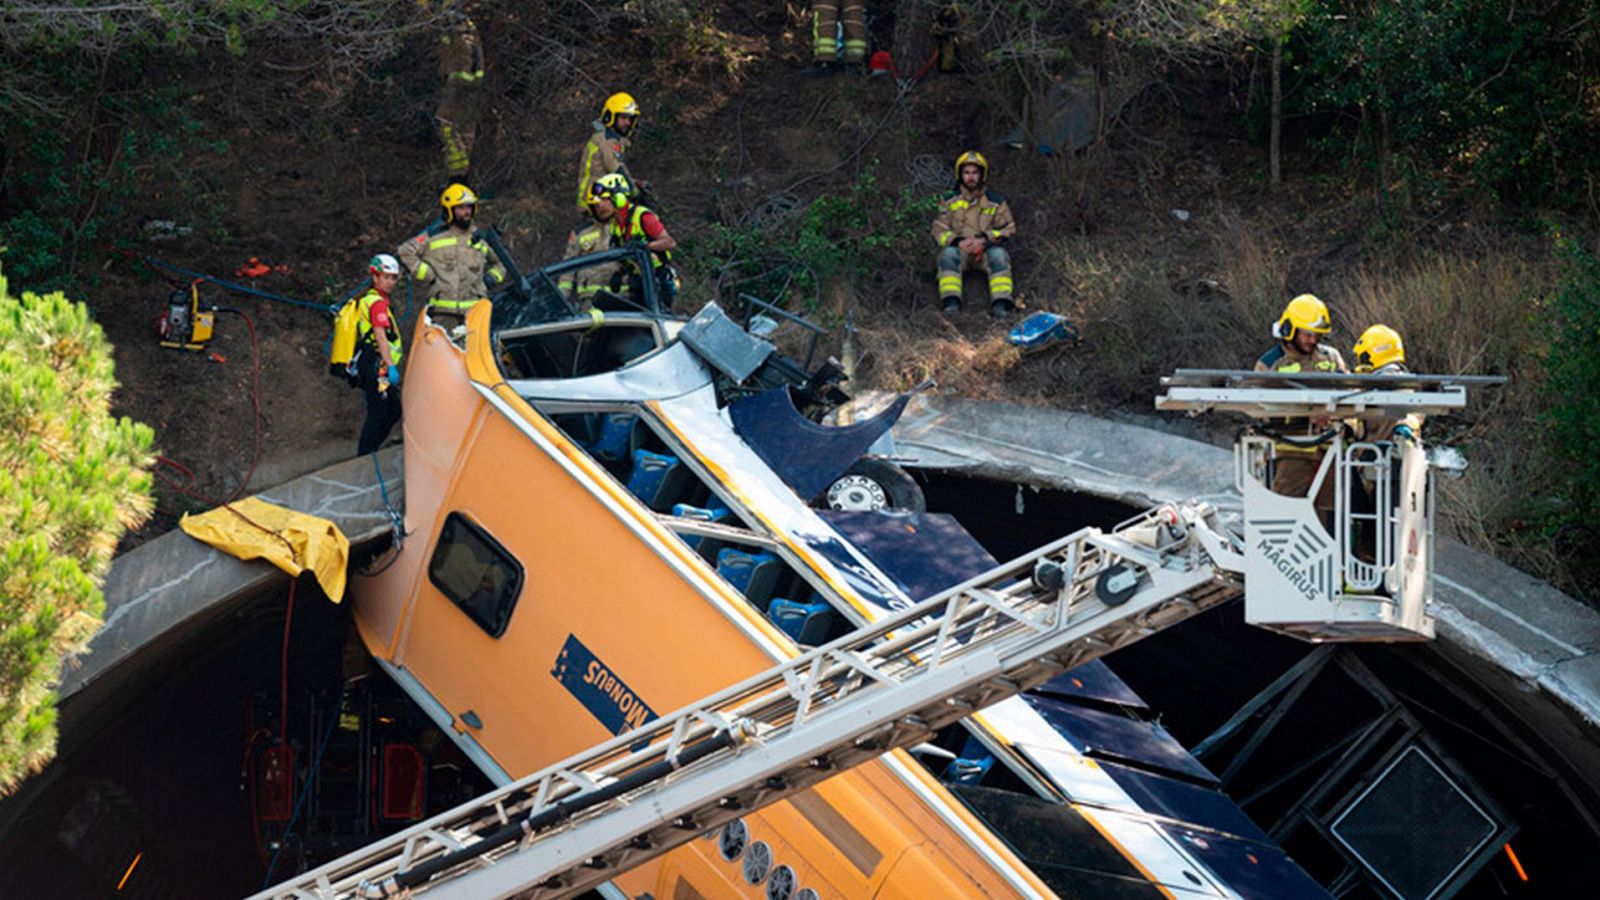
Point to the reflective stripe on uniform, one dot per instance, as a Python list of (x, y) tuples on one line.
[(1000, 285), (949, 285), (448, 240), (589, 150), (422, 271), (945, 236), (452, 305)]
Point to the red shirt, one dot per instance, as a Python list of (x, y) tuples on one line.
[(378, 313), (648, 222)]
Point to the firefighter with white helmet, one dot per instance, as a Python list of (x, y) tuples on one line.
[(972, 228), (1299, 348), (454, 267), (608, 143), (378, 353)]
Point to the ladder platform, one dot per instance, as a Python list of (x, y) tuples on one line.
[(1277, 394)]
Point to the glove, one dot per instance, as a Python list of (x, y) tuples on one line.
[(394, 376), (1403, 432)]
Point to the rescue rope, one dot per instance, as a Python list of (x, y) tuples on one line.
[(930, 172), (397, 523)]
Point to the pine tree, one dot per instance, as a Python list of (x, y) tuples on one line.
[(72, 479)]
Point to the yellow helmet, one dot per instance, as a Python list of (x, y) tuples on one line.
[(975, 158), (613, 186), (1377, 347), (457, 195), (618, 105), (1304, 312)]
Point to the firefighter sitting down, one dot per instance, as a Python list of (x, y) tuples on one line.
[(972, 227)]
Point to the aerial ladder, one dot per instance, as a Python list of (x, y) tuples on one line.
[(896, 682), (1365, 573)]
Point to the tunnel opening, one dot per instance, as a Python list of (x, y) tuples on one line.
[(159, 789)]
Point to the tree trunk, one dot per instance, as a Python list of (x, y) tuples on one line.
[(1275, 142), (1383, 158)]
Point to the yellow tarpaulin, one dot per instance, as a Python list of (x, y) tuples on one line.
[(292, 541)]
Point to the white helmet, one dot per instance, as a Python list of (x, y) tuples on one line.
[(384, 264)]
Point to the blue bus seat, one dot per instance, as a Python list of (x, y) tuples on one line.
[(807, 623), (750, 572), (658, 479), (612, 438), (716, 513), (974, 762)]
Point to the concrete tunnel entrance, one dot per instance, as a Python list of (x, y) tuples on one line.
[(158, 789)]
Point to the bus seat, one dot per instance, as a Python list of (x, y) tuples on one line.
[(614, 434), (807, 623), (658, 479), (974, 762), (743, 569), (716, 513)]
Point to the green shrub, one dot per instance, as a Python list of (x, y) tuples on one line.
[(791, 253), (1572, 376), (72, 480)]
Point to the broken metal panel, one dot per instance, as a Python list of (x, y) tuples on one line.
[(806, 455), (727, 347)]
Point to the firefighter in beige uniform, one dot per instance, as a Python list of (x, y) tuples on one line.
[(460, 57), (454, 267), (608, 144), (1379, 351), (580, 285), (972, 226), (1300, 349), (826, 22)]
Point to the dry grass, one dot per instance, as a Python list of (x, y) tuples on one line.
[(900, 359)]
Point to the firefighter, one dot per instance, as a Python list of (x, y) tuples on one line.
[(825, 20), (972, 227), (1380, 351), (629, 222), (1299, 348), (379, 347), (454, 266), (460, 56), (593, 236), (608, 144)]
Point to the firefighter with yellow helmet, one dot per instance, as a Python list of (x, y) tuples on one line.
[(454, 267), (631, 222), (1299, 348), (972, 228), (460, 57), (1380, 351), (607, 148), (591, 236)]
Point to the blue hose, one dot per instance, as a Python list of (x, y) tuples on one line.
[(241, 288), (316, 770)]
